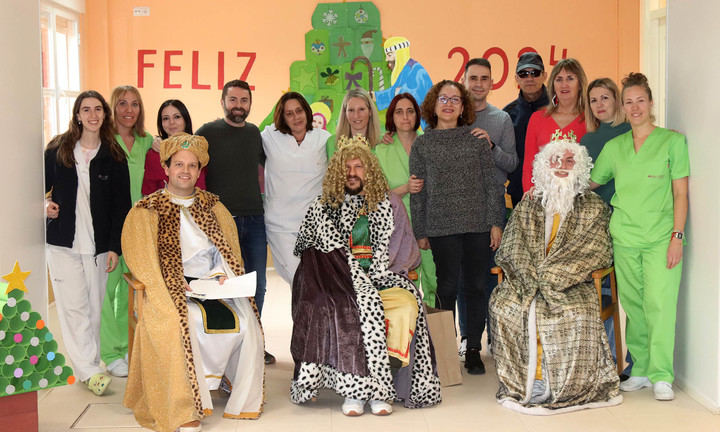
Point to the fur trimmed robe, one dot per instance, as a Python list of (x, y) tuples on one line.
[(163, 387), (338, 339), (557, 290)]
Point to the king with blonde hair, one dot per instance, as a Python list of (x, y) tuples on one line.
[(356, 315)]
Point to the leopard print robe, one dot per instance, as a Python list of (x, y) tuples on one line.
[(327, 229), (151, 242)]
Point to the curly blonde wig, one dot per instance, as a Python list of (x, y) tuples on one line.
[(375, 186)]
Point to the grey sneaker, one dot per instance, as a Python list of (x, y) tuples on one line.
[(118, 368), (635, 383)]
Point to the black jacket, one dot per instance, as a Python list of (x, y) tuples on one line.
[(109, 199), (520, 111)]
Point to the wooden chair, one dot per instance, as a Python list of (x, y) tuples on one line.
[(611, 310), (135, 307)]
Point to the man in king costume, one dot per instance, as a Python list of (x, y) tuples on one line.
[(550, 347), (358, 323), (184, 347)]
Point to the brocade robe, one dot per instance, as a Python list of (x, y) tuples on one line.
[(551, 296)]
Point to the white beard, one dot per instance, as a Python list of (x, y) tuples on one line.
[(559, 195)]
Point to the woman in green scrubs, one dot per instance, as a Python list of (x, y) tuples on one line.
[(650, 166), (403, 121), (129, 118)]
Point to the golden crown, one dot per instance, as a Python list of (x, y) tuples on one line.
[(344, 141), (559, 136)]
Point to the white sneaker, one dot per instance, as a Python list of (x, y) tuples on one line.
[(663, 391), (118, 368), (635, 383), (380, 408), (353, 407), (197, 428), (463, 349)]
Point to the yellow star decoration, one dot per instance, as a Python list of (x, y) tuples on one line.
[(15, 279)]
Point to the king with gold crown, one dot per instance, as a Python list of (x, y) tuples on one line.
[(358, 323)]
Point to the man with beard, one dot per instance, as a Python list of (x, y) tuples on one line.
[(356, 317), (550, 347), (236, 151)]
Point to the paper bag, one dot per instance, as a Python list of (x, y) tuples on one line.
[(441, 325)]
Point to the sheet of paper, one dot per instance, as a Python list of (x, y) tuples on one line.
[(239, 286)]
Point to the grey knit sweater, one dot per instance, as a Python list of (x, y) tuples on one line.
[(460, 194)]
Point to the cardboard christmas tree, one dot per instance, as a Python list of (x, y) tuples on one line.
[(342, 51), (29, 360)]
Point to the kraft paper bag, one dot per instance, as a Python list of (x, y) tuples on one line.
[(442, 332)]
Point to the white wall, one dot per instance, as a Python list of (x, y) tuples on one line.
[(693, 85), (22, 235), (74, 5)]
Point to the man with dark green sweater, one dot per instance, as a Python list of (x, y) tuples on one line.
[(236, 151)]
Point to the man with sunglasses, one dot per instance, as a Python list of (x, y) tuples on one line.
[(530, 76)]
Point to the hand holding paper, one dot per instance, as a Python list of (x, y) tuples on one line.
[(210, 289)]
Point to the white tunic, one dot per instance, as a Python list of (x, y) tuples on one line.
[(293, 179), (234, 354), (293, 176), (84, 241)]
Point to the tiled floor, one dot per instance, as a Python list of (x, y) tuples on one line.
[(470, 406)]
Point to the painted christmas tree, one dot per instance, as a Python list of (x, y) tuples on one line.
[(344, 50), (29, 359)]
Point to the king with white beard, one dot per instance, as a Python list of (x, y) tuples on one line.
[(550, 347)]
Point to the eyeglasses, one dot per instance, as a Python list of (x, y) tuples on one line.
[(455, 100), (529, 72)]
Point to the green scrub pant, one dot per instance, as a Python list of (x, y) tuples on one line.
[(428, 280), (648, 292), (114, 316)]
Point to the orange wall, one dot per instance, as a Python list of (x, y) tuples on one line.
[(604, 35)]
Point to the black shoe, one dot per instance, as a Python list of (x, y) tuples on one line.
[(473, 363), (624, 377), (269, 358)]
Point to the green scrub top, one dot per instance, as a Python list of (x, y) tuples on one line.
[(136, 162), (643, 199), (331, 146), (395, 163)]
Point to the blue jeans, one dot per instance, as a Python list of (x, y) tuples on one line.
[(253, 247)]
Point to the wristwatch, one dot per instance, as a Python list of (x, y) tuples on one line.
[(678, 235)]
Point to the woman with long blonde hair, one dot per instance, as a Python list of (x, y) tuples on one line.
[(358, 116), (129, 124)]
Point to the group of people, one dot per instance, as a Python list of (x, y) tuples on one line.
[(367, 227)]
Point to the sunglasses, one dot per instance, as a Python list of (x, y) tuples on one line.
[(529, 72)]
